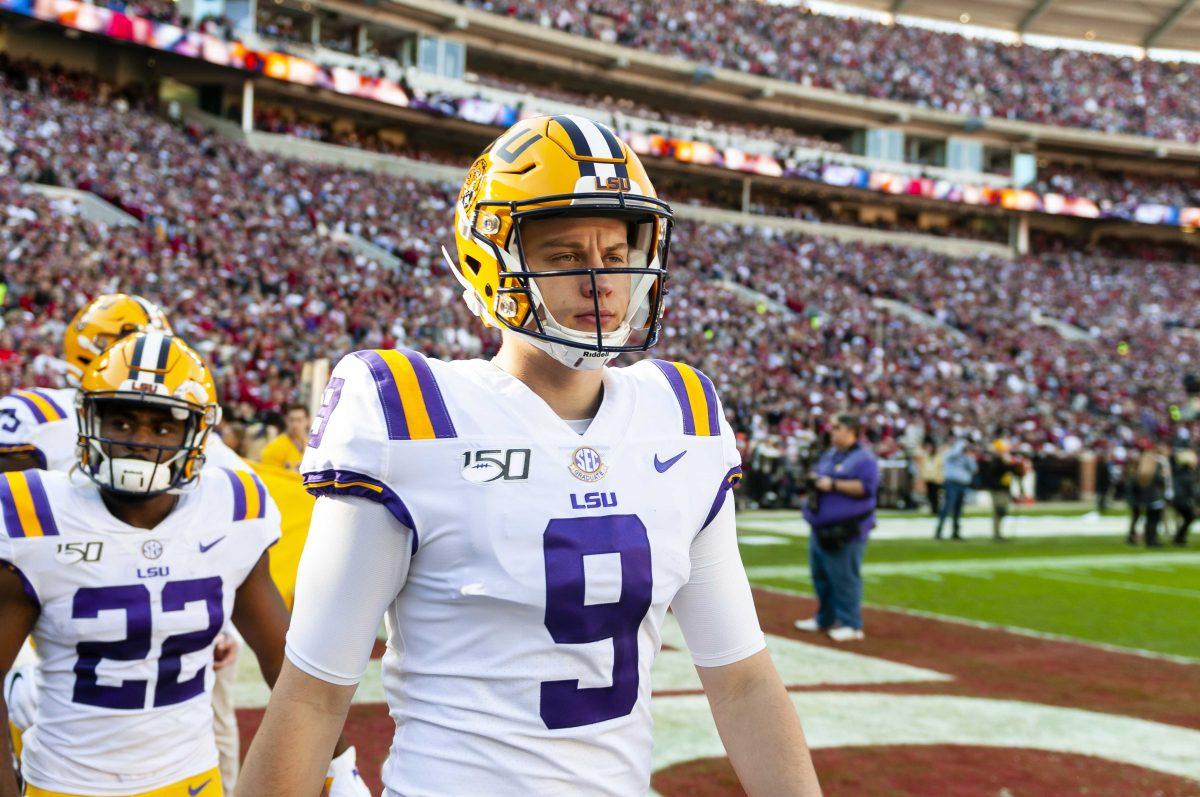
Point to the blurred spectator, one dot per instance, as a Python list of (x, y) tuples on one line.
[(1187, 492), (958, 469), (997, 474), (931, 473), (287, 449), (1150, 490)]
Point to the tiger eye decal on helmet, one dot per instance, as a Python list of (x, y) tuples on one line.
[(552, 167), (102, 322), (146, 370)]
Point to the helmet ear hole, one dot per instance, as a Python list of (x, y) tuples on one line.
[(473, 264), (487, 290)]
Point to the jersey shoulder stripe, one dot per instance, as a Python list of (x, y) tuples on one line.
[(696, 396), (43, 407), (344, 482), (413, 407), (249, 495), (24, 505)]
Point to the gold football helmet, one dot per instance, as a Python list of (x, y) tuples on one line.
[(102, 322), (147, 369), (555, 166)]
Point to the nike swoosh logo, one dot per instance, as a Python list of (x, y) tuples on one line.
[(193, 791), (663, 467), (204, 548)]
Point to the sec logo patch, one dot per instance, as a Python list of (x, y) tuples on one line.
[(586, 465)]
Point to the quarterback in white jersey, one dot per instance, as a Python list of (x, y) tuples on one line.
[(524, 524), (124, 572)]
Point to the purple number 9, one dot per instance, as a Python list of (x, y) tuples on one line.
[(570, 622), (329, 400)]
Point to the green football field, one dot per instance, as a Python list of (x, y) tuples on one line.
[(1086, 587)]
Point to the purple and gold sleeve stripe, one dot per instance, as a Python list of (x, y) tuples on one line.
[(43, 407), (345, 482), (249, 495), (413, 408), (25, 448), (24, 505), (731, 480), (696, 396)]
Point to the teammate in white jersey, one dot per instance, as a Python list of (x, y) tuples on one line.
[(124, 572), (524, 524), (39, 429)]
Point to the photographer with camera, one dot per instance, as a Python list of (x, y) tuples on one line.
[(840, 508)]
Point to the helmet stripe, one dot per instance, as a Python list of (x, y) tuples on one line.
[(138, 348), (146, 306), (614, 146), (580, 143), (597, 146), (578, 139), (163, 351)]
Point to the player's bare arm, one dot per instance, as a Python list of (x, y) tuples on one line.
[(302, 720), (17, 616), (759, 727)]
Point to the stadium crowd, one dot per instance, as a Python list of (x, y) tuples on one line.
[(248, 255), (972, 76), (1157, 88)]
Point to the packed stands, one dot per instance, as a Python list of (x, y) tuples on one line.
[(245, 253), (977, 77)]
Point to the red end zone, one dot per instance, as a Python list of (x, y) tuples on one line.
[(993, 665)]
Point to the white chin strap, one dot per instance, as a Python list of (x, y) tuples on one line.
[(135, 475)]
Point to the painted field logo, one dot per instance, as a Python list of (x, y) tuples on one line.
[(586, 465)]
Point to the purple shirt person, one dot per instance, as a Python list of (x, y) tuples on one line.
[(846, 481)]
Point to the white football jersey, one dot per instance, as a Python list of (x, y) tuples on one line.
[(44, 422), (543, 563), (127, 623)]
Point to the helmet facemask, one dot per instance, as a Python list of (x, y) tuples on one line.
[(169, 466), (520, 300)]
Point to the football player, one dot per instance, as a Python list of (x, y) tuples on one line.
[(525, 523), (124, 572), (38, 429)]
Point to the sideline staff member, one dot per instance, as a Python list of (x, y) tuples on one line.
[(841, 511)]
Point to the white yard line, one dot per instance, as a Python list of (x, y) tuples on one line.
[(922, 526), (1027, 564), (1129, 585)]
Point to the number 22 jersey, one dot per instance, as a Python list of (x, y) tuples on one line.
[(127, 622), (542, 564)]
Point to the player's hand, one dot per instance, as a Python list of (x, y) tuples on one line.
[(225, 652), (343, 777)]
